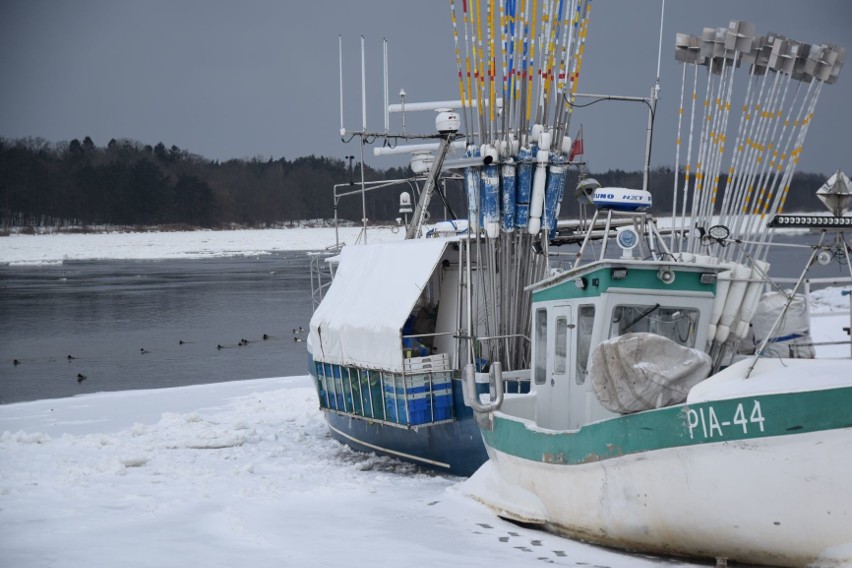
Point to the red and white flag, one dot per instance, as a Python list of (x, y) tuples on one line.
[(577, 147)]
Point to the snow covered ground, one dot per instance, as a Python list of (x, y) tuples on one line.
[(55, 248), (235, 474), (240, 473)]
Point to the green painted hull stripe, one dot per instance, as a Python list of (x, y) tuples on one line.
[(678, 426), (600, 280)]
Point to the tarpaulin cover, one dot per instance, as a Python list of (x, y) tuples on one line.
[(641, 371), (360, 320), (792, 337)]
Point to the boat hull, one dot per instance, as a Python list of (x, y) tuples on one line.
[(782, 499), (454, 447)]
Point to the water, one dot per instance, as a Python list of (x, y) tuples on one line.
[(105, 313), (123, 321)]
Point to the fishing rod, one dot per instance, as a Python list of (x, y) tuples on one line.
[(770, 131)]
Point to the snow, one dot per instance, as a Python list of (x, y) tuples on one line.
[(18, 249), (235, 474), (232, 474)]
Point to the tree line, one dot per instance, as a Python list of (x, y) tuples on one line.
[(129, 183)]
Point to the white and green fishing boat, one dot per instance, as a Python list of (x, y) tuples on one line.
[(626, 441), (649, 425)]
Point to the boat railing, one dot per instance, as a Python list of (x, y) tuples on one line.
[(513, 381), (398, 399), (807, 288), (321, 276)]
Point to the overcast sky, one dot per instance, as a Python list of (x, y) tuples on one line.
[(228, 79)]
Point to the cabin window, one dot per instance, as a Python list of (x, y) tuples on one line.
[(540, 369), (585, 322), (560, 355), (677, 324)]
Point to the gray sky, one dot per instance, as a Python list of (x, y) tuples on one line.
[(228, 79)]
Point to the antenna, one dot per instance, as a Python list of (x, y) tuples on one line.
[(652, 105), (385, 59), (363, 89), (340, 63), (660, 47)]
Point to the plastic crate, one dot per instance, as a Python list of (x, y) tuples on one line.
[(443, 413), (443, 401), (395, 410), (419, 408), (436, 362), (419, 384), (370, 403), (420, 417)]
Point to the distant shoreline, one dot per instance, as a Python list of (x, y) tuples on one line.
[(177, 228), (124, 244)]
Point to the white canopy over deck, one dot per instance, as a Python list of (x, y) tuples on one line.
[(360, 320)]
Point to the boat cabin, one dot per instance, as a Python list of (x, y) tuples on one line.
[(574, 312)]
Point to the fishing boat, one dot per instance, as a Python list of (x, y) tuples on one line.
[(648, 425), (398, 322)]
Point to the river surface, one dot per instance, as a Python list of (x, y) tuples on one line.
[(138, 324), (149, 324)]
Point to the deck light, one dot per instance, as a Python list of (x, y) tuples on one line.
[(618, 273), (718, 232), (581, 282), (810, 221), (708, 277), (824, 257)]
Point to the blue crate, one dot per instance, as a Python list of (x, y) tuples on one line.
[(331, 370), (420, 417), (321, 392), (400, 407), (398, 404), (443, 413), (443, 401), (395, 410), (419, 390), (418, 409), (372, 407)]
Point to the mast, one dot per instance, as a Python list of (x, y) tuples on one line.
[(419, 214)]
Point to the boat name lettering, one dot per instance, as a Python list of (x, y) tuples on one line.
[(621, 197), (705, 421)]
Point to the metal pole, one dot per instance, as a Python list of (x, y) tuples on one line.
[(363, 91), (660, 47), (426, 195), (759, 351), (846, 251), (385, 54), (363, 192), (652, 106), (340, 63), (336, 233)]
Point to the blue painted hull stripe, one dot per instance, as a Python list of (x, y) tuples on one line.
[(387, 451)]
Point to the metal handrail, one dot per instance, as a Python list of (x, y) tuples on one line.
[(829, 281)]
